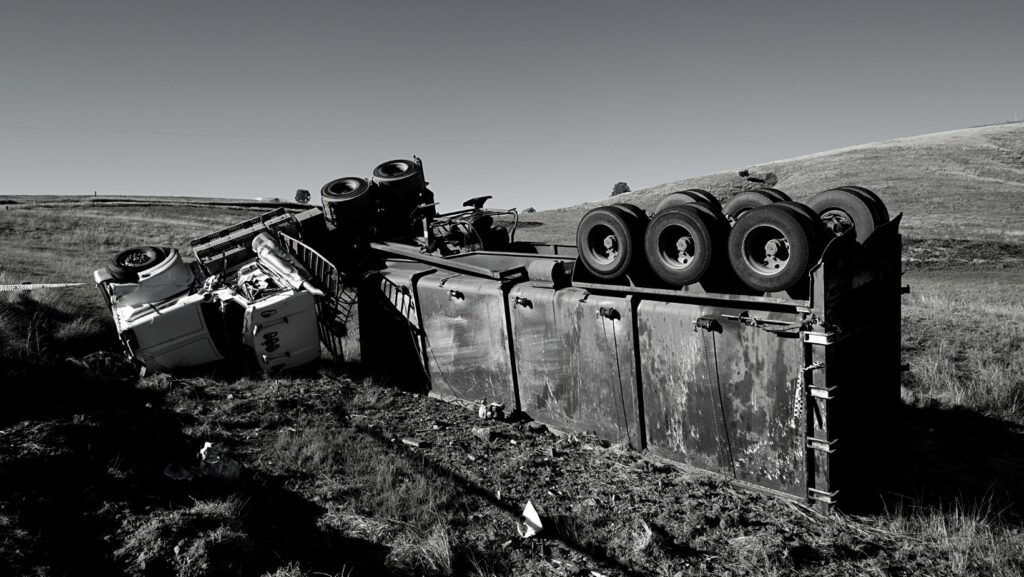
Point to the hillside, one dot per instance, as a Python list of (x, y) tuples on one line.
[(965, 184)]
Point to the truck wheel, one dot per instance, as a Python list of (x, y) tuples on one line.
[(688, 197), (401, 174), (682, 244), (740, 204), (636, 211), (769, 248), (842, 210), (346, 200), (607, 238), (817, 234), (347, 188), (775, 193), (127, 264), (881, 212)]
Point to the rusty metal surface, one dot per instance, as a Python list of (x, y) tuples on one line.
[(465, 337), (769, 391), (575, 362), (719, 394)]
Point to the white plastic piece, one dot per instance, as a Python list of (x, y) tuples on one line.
[(529, 523)]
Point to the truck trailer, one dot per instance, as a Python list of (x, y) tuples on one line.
[(746, 338)]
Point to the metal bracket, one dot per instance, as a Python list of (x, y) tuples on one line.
[(524, 302), (709, 324), (821, 446), (823, 393), (827, 497), (813, 338), (609, 313)]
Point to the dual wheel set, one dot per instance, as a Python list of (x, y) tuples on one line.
[(759, 240)]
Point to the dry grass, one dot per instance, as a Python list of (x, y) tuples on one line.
[(964, 340), (971, 540)]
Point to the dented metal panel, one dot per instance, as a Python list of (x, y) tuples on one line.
[(720, 390), (575, 361), (466, 338)]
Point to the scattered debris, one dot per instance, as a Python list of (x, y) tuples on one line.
[(485, 434), (529, 523), (495, 411), (216, 464), (535, 427), (415, 442)]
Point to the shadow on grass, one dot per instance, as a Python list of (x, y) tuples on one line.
[(948, 458), (83, 489), (559, 528)]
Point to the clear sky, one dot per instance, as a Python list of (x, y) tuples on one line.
[(540, 104)]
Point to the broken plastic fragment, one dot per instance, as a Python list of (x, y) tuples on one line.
[(529, 522)]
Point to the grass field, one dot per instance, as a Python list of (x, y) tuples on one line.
[(99, 473)]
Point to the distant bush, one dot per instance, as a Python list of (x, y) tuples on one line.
[(530, 209), (620, 188)]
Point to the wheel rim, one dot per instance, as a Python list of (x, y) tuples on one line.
[(344, 187), (603, 245), (676, 247), (393, 169), (837, 221), (766, 250), (136, 258)]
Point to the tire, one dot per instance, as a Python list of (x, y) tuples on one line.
[(347, 200), (842, 210), (346, 189), (816, 231), (688, 197), (682, 245), (775, 193), (400, 180), (709, 198), (738, 205), (636, 211), (128, 264), (762, 264), (399, 170), (882, 212), (607, 239)]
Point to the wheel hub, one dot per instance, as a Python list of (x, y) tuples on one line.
[(837, 221), (766, 250)]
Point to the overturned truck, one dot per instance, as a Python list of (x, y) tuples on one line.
[(747, 339)]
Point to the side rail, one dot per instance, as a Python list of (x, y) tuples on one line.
[(220, 251), (335, 309)]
